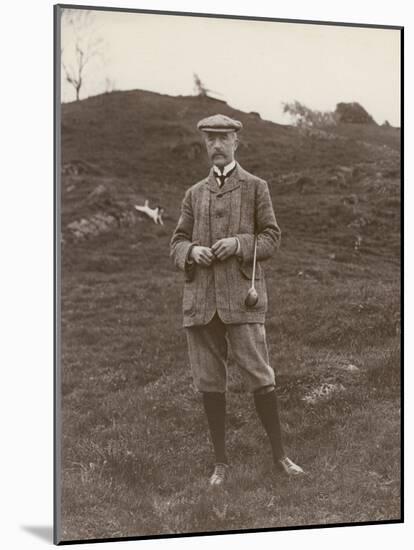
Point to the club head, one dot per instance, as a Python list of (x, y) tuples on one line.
[(251, 298)]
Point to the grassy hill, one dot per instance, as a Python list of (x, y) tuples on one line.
[(136, 455)]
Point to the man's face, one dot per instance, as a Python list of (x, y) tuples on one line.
[(221, 147)]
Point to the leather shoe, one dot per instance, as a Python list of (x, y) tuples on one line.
[(289, 467), (219, 475)]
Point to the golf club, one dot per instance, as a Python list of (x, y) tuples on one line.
[(252, 296)]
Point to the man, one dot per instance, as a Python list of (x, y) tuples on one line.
[(213, 244)]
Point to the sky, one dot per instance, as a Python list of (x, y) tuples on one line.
[(253, 65)]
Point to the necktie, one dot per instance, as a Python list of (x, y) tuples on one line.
[(223, 177)]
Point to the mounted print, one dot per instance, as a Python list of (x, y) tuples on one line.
[(228, 278)]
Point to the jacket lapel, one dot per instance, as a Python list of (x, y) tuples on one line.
[(232, 182), (211, 182)]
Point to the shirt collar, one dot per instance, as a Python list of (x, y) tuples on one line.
[(226, 169)]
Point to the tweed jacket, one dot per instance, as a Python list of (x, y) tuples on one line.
[(241, 208)]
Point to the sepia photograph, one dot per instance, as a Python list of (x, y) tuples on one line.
[(228, 274)]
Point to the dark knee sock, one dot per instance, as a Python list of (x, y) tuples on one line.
[(267, 408), (215, 409)]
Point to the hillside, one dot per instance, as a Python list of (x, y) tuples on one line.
[(127, 133), (135, 449)]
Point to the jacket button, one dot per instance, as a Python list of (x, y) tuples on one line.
[(219, 195)]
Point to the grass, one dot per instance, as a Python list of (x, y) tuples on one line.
[(136, 455), (135, 450)]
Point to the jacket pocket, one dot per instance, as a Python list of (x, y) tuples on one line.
[(247, 271), (188, 297)]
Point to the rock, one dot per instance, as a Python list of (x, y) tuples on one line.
[(345, 169), (96, 224), (337, 179), (347, 172), (97, 192), (79, 167), (324, 391), (351, 368)]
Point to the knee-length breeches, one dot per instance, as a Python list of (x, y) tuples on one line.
[(208, 353)]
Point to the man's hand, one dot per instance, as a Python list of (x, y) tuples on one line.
[(224, 248), (202, 255)]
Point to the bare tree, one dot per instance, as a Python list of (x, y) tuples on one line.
[(83, 46), (200, 88)]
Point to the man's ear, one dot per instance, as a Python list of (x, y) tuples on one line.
[(236, 142)]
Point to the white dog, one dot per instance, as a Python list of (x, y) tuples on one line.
[(154, 213)]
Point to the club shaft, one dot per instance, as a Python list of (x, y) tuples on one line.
[(254, 260)]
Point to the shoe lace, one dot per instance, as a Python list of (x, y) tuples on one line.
[(290, 465), (220, 471)]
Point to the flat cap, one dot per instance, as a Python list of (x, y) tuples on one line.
[(219, 123)]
